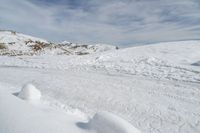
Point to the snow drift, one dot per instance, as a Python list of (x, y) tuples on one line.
[(17, 116), (29, 92), (105, 122)]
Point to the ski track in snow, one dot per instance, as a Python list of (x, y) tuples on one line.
[(147, 67)]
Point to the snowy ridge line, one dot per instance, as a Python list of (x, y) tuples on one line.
[(17, 44)]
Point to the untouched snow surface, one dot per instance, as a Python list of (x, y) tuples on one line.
[(154, 87)]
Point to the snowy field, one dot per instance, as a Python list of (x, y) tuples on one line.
[(155, 88)]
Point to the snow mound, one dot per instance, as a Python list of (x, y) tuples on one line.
[(105, 122), (29, 92)]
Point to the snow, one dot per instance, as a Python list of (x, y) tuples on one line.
[(152, 88), (106, 122), (20, 117), (18, 44), (16, 41), (29, 92)]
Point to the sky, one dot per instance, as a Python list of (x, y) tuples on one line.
[(118, 22)]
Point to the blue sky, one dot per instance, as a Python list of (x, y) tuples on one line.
[(120, 22)]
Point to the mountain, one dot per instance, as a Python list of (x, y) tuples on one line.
[(149, 89), (13, 43)]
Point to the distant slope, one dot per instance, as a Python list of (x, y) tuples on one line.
[(173, 60), (169, 61), (13, 43)]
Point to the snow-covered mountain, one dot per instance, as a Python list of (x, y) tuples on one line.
[(155, 88), (13, 43)]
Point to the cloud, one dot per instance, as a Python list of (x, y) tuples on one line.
[(115, 21)]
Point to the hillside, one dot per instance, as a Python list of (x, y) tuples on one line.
[(148, 89), (17, 44)]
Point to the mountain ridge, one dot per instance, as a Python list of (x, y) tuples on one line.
[(16, 44)]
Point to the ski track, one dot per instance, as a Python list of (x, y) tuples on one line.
[(147, 67)]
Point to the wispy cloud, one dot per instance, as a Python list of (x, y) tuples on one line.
[(114, 21)]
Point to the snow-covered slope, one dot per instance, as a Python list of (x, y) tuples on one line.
[(13, 43), (83, 49), (154, 87), (18, 116), (173, 61), (17, 43)]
